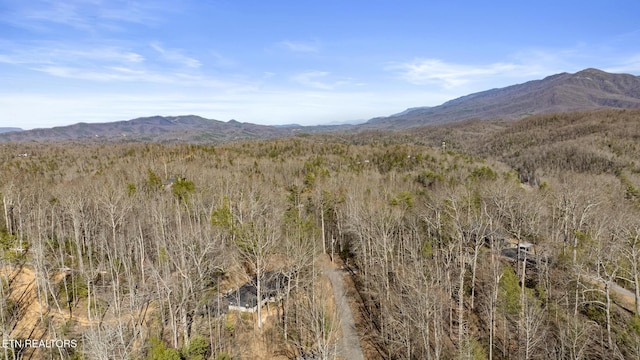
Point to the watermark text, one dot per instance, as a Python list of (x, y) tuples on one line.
[(36, 343)]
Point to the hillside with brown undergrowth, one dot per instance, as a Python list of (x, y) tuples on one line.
[(152, 237), (595, 142)]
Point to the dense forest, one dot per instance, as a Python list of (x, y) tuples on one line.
[(467, 241)]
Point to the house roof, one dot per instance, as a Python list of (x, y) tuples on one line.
[(245, 296)]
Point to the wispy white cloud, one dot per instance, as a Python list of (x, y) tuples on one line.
[(100, 54), (102, 74), (522, 65), (320, 80), (312, 79), (148, 13), (119, 74), (85, 15), (93, 63), (176, 56), (629, 65), (449, 75), (299, 46), (60, 12), (107, 63), (10, 59), (60, 53)]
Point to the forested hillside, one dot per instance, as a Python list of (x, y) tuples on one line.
[(474, 240)]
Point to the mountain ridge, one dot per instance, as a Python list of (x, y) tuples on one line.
[(588, 89), (183, 128), (9, 129)]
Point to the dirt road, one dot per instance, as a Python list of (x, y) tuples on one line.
[(349, 348), (624, 298)]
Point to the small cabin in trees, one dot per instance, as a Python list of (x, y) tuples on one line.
[(526, 247), (245, 298)]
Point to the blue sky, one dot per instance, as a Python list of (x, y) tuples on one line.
[(281, 62)]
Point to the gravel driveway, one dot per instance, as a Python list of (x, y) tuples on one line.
[(349, 348)]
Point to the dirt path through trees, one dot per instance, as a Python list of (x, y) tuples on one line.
[(23, 292), (349, 346)]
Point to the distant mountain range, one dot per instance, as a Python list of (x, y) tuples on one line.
[(588, 89), (189, 128), (9, 129)]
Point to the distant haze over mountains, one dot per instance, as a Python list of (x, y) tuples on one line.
[(588, 89), (189, 128), (9, 129)]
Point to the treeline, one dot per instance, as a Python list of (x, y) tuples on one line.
[(602, 141), (132, 246), (594, 142)]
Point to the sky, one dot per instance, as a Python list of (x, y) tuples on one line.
[(283, 62)]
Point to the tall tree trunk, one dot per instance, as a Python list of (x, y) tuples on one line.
[(608, 315), (259, 291), (636, 286), (461, 327)]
